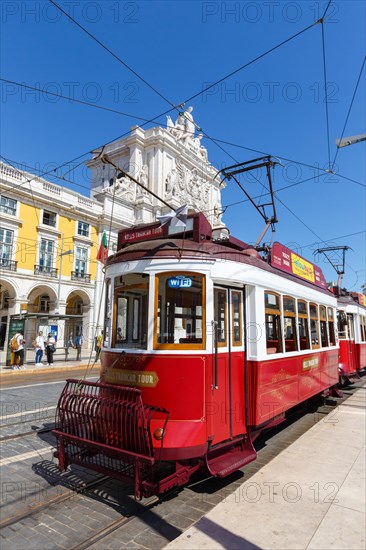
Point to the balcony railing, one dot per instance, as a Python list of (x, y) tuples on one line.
[(77, 276), (45, 270), (9, 265)]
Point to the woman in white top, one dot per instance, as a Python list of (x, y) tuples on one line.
[(39, 349)]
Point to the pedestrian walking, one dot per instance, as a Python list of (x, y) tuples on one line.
[(39, 348), (98, 345), (70, 342), (50, 349), (78, 343), (17, 348)]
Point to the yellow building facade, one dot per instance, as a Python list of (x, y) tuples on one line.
[(49, 275)]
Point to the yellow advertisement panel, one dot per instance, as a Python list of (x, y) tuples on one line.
[(302, 268)]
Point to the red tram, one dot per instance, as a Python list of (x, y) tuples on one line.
[(207, 343), (352, 335)]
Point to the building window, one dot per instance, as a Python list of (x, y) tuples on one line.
[(49, 218), (83, 229), (4, 299), (273, 322), (81, 260), (44, 304), (46, 256), (8, 206), (6, 246)]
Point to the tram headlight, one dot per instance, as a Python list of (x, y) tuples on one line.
[(159, 433)]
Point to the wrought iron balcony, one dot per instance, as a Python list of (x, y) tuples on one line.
[(9, 265), (79, 276), (45, 270)]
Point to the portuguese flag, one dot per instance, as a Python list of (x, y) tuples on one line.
[(103, 249)]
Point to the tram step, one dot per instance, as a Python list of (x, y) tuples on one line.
[(234, 458)]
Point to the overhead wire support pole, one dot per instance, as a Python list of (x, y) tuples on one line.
[(232, 171), (339, 268)]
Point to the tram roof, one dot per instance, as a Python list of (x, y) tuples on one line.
[(206, 250)]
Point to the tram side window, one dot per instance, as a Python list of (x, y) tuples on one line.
[(289, 324), (220, 314), (237, 318), (350, 326), (302, 311), (332, 339), (107, 313), (323, 326), (363, 328), (130, 311), (314, 329), (273, 323), (179, 310)]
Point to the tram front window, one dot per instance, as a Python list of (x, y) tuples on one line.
[(130, 306), (179, 310)]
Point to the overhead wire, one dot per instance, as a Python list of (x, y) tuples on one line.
[(202, 91), (326, 92), (73, 99), (102, 45), (33, 168), (150, 86)]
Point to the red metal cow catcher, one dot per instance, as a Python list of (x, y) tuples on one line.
[(207, 343)]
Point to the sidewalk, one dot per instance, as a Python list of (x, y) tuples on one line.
[(59, 365), (311, 496)]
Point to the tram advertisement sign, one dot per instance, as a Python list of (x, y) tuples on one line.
[(286, 260)]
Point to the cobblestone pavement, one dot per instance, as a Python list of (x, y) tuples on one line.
[(31, 482)]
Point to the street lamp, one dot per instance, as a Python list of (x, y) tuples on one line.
[(61, 255), (350, 140)]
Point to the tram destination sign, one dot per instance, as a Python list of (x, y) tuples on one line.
[(288, 261), (140, 234)]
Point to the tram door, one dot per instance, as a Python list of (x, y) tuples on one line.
[(227, 405), (351, 342)]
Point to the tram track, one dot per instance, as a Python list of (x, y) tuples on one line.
[(25, 434), (43, 419), (55, 500), (112, 527), (200, 489)]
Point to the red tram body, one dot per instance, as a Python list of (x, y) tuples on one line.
[(206, 344), (352, 335)]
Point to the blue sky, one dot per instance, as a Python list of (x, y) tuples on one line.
[(275, 105)]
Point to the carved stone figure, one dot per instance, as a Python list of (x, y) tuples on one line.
[(170, 182), (144, 175), (177, 129), (184, 127), (189, 127)]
